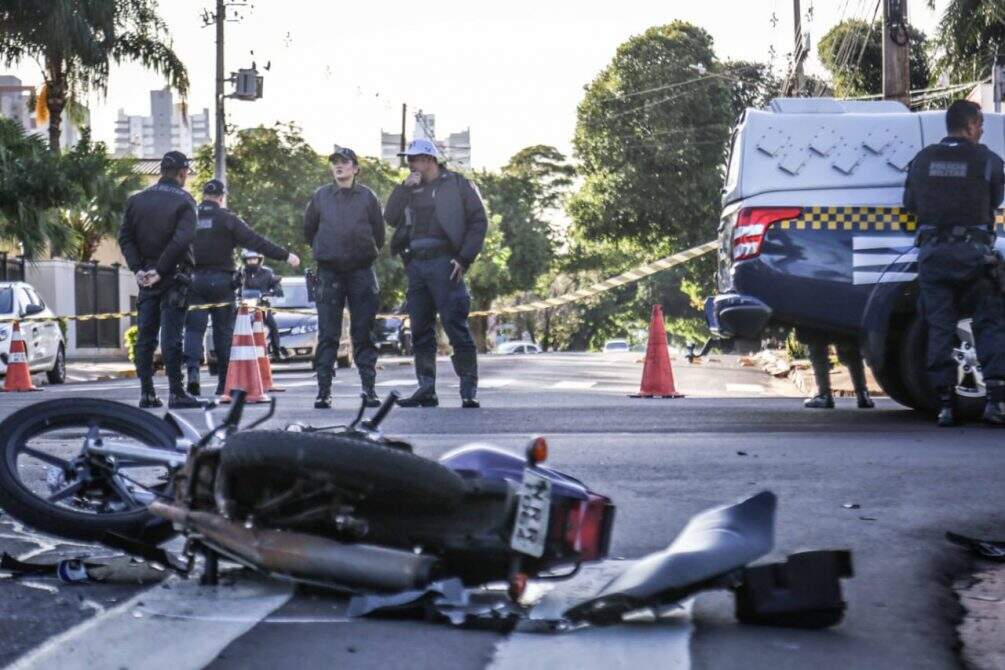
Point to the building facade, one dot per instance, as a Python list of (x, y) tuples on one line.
[(14, 104), (167, 128)]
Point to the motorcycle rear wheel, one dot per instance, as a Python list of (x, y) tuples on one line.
[(68, 421)]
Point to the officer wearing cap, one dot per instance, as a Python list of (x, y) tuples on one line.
[(344, 226), (954, 188), (440, 225), (156, 239), (218, 232), (259, 277)]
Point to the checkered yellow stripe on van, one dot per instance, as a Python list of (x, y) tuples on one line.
[(861, 219)]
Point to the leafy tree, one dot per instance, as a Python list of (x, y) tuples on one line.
[(102, 185), (852, 52), (75, 41), (750, 85), (488, 277), (970, 34), (32, 185)]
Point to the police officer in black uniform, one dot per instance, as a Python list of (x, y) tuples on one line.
[(261, 278), (344, 226), (156, 239), (954, 188), (440, 225), (218, 232)]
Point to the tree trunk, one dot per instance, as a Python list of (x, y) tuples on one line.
[(55, 99)]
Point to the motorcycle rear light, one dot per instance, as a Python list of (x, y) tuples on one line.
[(588, 527), (752, 225)]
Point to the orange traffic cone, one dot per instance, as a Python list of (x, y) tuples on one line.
[(264, 367), (243, 372), (18, 374), (657, 376)]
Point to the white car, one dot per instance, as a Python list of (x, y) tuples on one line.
[(518, 347), (43, 339), (616, 345)]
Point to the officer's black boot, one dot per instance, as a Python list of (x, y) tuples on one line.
[(466, 367), (856, 369), (324, 399), (178, 398), (193, 382), (947, 408), (148, 396), (824, 399), (371, 396), (994, 411), (425, 372)]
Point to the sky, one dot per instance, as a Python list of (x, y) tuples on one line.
[(513, 72)]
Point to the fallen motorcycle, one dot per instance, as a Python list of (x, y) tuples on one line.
[(342, 507), (345, 507)]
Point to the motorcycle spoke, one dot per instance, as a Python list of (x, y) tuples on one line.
[(47, 458), (115, 483), (66, 492)]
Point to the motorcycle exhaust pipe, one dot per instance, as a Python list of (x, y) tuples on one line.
[(299, 555)]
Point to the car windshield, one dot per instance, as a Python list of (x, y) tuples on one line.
[(294, 296), (6, 300), (389, 324), (616, 346)]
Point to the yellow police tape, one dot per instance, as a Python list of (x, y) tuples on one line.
[(622, 279)]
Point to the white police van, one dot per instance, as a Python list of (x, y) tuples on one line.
[(813, 234)]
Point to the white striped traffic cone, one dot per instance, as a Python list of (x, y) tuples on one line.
[(243, 372), (264, 367), (18, 374)]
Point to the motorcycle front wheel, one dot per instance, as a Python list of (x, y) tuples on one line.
[(50, 484)]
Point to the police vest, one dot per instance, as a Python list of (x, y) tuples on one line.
[(951, 183)]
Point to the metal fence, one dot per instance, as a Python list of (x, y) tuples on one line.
[(11, 268), (96, 290)]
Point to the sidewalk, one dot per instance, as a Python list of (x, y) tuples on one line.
[(800, 373), (90, 371)]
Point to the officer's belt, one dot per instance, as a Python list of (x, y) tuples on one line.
[(955, 234), (431, 252)]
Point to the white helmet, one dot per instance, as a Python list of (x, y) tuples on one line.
[(248, 253)]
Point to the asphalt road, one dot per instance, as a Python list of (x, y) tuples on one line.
[(660, 460)]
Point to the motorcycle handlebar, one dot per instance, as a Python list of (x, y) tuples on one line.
[(382, 411), (238, 396)]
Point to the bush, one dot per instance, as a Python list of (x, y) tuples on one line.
[(129, 339), (794, 348)]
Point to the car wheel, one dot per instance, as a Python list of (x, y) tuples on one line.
[(57, 375), (970, 390)]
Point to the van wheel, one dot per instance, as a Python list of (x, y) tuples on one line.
[(970, 390)]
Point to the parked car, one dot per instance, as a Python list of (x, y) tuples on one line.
[(393, 334), (518, 347), (298, 331), (616, 345), (813, 234), (46, 349)]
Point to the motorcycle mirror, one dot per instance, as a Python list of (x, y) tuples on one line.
[(359, 414), (385, 408), (237, 396)]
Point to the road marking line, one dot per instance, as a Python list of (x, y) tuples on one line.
[(746, 388), (145, 631), (573, 385), (397, 382), (495, 382)]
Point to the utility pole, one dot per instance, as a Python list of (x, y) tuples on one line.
[(896, 52), (797, 51), (220, 149), (404, 110)]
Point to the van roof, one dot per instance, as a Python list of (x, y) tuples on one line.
[(801, 144)]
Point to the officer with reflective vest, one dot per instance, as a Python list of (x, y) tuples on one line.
[(954, 188), (218, 232), (260, 277), (156, 236)]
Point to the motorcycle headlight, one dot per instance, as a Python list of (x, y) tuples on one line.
[(304, 328)]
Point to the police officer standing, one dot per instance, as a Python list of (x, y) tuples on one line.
[(218, 232), (954, 188), (440, 224), (156, 239), (260, 277), (344, 226)]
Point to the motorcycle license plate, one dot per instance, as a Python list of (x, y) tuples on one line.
[(531, 528)]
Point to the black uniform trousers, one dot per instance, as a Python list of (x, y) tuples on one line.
[(359, 288), (209, 287), (160, 310), (953, 279)]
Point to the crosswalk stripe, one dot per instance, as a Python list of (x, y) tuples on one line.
[(573, 385), (182, 627)]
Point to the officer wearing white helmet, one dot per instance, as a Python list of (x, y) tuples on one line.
[(260, 277), (440, 225)]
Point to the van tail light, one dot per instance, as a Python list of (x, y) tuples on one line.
[(588, 526), (751, 226)]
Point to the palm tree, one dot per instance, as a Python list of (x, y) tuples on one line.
[(75, 42), (970, 35)]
